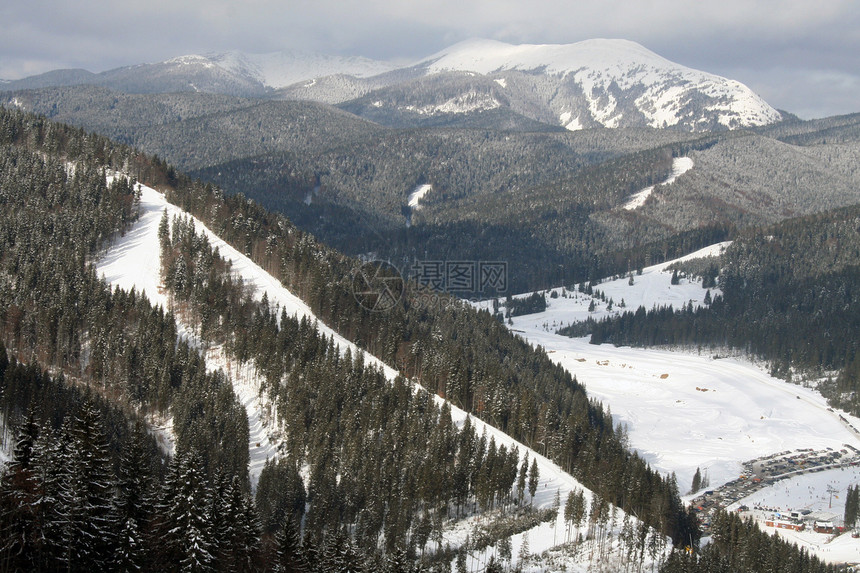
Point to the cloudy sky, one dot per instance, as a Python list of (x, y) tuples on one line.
[(801, 56)]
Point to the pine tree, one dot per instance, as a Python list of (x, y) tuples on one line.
[(571, 516), (397, 561), (524, 552), (19, 510), (134, 491), (4, 360), (852, 504), (697, 482), (164, 234), (27, 436), (91, 526), (51, 464), (534, 476), (461, 562), (505, 548), (290, 556), (130, 551), (493, 566), (186, 526), (523, 478)]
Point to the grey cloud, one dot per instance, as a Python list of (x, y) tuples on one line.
[(785, 50)]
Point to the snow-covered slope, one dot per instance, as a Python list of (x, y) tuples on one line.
[(133, 262), (619, 82), (820, 493), (680, 165)]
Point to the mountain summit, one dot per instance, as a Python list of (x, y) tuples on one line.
[(477, 83), (610, 83)]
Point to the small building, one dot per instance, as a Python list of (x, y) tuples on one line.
[(823, 527), (782, 524)]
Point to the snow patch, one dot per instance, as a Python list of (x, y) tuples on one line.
[(192, 60), (680, 165), (414, 199), (570, 124), (468, 102)]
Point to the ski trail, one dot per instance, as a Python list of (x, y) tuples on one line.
[(133, 262)]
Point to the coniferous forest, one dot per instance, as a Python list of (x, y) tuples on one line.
[(371, 469)]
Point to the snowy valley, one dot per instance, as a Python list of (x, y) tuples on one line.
[(689, 411)]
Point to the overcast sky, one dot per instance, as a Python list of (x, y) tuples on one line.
[(801, 56)]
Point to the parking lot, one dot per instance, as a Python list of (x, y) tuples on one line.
[(763, 472)]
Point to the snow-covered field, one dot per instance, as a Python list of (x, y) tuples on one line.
[(683, 409), (133, 261), (686, 409)]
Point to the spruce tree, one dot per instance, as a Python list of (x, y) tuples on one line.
[(852, 504), (19, 493), (289, 557), (697, 481), (135, 483), (523, 478), (185, 522), (92, 523), (534, 476), (4, 360)]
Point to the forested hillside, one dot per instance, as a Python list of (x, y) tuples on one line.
[(548, 203), (57, 313), (465, 356), (372, 468)]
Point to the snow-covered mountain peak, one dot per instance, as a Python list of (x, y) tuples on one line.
[(486, 56), (593, 83), (191, 60), (613, 83)]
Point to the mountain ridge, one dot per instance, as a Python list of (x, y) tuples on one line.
[(592, 83)]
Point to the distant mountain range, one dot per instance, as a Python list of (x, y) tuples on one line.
[(610, 83)]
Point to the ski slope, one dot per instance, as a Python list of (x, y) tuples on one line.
[(680, 165), (823, 495), (133, 262)]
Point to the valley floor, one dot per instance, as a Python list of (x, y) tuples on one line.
[(689, 409)]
